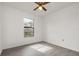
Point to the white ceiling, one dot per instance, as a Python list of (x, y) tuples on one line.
[(29, 6)]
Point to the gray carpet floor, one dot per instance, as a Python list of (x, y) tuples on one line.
[(27, 51)]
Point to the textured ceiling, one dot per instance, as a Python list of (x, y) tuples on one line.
[(29, 6)]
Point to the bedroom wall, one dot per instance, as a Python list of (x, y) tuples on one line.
[(1, 28), (13, 31), (62, 28)]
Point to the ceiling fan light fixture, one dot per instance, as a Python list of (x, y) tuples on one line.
[(40, 8)]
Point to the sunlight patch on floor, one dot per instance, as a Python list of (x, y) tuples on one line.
[(41, 48)]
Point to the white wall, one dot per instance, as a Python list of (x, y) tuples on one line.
[(63, 25), (13, 31), (0, 28)]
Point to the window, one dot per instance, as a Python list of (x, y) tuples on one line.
[(28, 27)]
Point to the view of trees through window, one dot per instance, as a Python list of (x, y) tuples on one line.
[(28, 27)]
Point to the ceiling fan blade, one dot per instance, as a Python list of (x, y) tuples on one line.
[(35, 8), (38, 3), (44, 9), (45, 3)]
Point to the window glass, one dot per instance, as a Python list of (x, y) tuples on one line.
[(28, 27)]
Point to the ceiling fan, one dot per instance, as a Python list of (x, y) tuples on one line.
[(41, 6)]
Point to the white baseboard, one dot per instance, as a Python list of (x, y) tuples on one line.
[(62, 46)]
